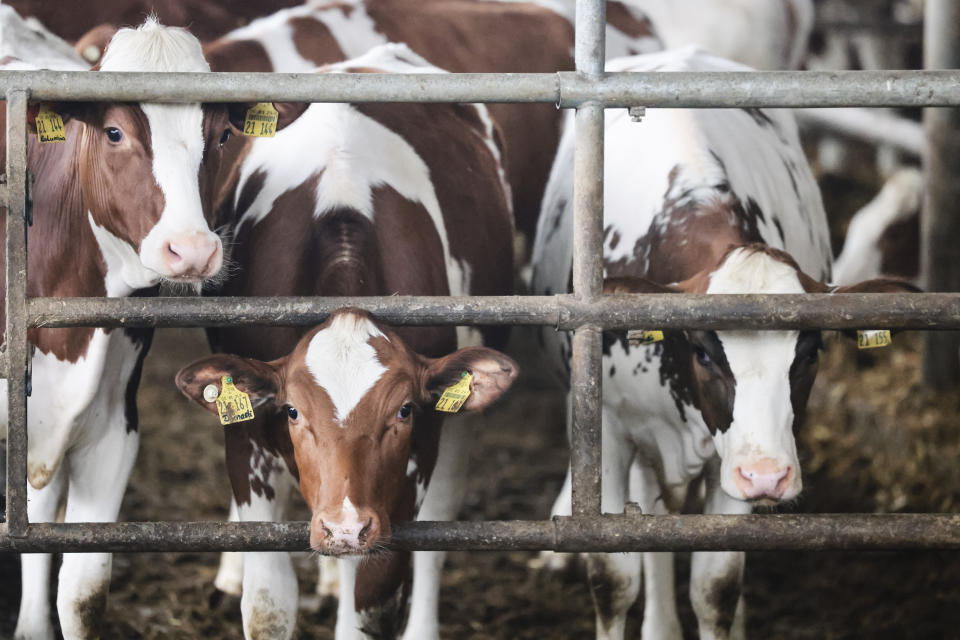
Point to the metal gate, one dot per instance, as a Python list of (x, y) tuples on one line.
[(586, 312)]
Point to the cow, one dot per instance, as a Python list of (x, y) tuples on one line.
[(697, 201), (489, 36), (28, 40), (125, 203), (357, 200)]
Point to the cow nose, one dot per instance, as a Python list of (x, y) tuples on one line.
[(763, 478), (192, 255), (345, 535)]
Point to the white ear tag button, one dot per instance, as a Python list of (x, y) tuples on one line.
[(211, 392)]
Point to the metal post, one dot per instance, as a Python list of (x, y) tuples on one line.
[(16, 326), (585, 384), (940, 222)]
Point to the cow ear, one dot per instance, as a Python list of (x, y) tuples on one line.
[(287, 113), (877, 285), (259, 380), (631, 284), (491, 372), (66, 110)]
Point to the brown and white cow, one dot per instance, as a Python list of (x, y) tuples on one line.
[(489, 36), (698, 201), (357, 200), (125, 203)]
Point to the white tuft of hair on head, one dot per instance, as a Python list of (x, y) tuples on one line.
[(746, 270), (154, 47)]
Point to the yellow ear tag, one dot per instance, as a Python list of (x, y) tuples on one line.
[(454, 397), (873, 339), (233, 405), (50, 126), (640, 337), (261, 121)]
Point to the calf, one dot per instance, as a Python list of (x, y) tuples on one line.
[(713, 201), (124, 203), (361, 200)]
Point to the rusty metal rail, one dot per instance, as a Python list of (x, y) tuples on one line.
[(609, 533), (585, 311)]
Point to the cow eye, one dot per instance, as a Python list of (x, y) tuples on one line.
[(224, 137), (703, 358), (114, 135), (292, 413), (405, 411)]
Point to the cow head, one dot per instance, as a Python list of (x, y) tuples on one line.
[(750, 387), (353, 393), (146, 171)]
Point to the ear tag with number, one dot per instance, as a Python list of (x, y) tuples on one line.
[(261, 121), (453, 397), (233, 405), (873, 339), (639, 337), (50, 126)]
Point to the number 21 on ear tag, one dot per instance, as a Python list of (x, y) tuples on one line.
[(261, 121), (454, 396), (50, 126), (233, 405)]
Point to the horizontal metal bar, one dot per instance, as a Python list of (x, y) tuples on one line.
[(875, 127), (602, 533), (566, 89), (654, 311)]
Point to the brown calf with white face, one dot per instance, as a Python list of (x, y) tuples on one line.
[(354, 394)]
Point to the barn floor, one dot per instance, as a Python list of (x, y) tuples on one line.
[(873, 441)]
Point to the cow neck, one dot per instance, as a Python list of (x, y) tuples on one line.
[(63, 257)]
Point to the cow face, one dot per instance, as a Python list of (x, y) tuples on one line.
[(147, 171), (750, 387), (353, 393)]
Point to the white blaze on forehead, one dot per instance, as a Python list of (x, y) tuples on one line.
[(343, 362), (348, 511)]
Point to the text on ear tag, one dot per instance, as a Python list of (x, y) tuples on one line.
[(638, 337), (873, 338), (50, 126), (261, 121), (233, 405), (454, 396)]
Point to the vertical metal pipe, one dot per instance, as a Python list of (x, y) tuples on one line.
[(940, 222), (16, 324), (585, 457)]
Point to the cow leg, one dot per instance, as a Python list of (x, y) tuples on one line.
[(98, 475), (660, 618), (442, 502), (268, 602), (614, 578), (349, 625), (716, 577), (230, 574), (34, 619)]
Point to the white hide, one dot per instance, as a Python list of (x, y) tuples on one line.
[(32, 43), (759, 33), (344, 363), (899, 199)]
